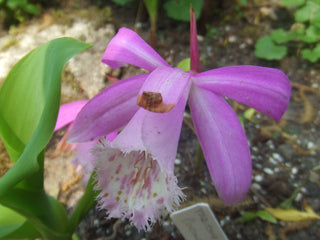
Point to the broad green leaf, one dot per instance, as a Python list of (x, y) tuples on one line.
[(15, 226), (266, 49), (307, 12), (179, 9), (45, 213), (292, 3), (29, 100)]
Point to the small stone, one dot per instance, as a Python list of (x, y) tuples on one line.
[(294, 170), (232, 39), (177, 161), (268, 171), (258, 178)]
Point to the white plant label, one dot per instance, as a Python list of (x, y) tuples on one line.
[(197, 222)]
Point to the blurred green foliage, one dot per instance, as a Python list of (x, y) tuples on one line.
[(304, 34), (175, 9), (17, 10)]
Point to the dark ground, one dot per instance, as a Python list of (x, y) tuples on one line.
[(285, 154)]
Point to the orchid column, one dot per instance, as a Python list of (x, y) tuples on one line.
[(135, 171)]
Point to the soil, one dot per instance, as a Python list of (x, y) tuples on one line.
[(285, 154)]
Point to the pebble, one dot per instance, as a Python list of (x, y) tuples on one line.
[(224, 221), (270, 144), (258, 178), (294, 170), (277, 157), (232, 39), (268, 171)]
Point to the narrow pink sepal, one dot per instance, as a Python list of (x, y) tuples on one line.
[(127, 47), (194, 51), (68, 112), (169, 82), (108, 111), (223, 142), (265, 89)]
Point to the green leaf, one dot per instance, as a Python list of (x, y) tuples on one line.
[(266, 49), (247, 217), (184, 64), (311, 55), (29, 100), (266, 216), (280, 36), (45, 213), (16, 4), (292, 3), (152, 8), (14, 225), (250, 216), (32, 9), (307, 12), (179, 9), (316, 20)]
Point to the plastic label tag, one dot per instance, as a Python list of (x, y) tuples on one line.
[(197, 222)]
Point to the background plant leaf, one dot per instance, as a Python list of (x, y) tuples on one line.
[(29, 100), (293, 3), (307, 12), (179, 9), (311, 55), (266, 49)]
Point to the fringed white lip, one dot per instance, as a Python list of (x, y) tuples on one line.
[(134, 186)]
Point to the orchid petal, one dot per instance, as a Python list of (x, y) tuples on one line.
[(162, 89), (108, 111), (127, 47), (265, 89), (67, 113), (155, 133), (223, 142)]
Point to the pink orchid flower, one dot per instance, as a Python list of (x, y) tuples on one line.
[(135, 171)]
